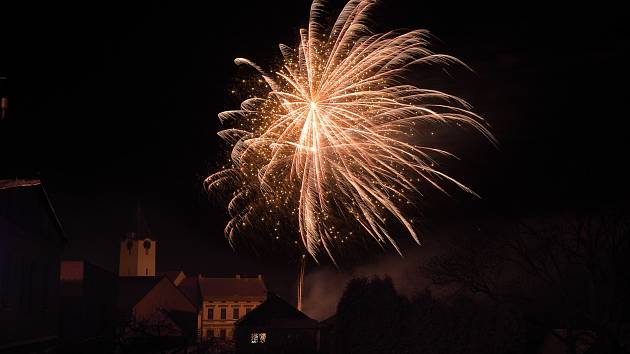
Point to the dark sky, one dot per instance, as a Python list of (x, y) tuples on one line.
[(115, 102)]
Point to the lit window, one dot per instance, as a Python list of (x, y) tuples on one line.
[(258, 338), (223, 313), (235, 313)]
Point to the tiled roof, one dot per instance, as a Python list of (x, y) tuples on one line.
[(232, 288)]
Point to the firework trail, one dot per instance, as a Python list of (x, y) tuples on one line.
[(334, 146)]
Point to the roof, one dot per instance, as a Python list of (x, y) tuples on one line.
[(18, 183), (237, 288), (174, 276), (190, 288), (276, 313), (14, 184), (132, 289)]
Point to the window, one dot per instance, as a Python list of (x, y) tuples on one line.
[(222, 333), (223, 313), (235, 313), (258, 338), (211, 313), (208, 333)]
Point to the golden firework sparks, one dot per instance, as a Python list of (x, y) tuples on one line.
[(334, 145)]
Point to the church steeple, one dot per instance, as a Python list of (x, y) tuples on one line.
[(137, 250), (142, 228)]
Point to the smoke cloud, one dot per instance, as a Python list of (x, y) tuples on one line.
[(323, 287)]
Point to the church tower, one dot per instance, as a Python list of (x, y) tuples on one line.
[(137, 251)]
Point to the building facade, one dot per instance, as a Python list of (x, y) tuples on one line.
[(31, 242), (226, 300), (137, 257)]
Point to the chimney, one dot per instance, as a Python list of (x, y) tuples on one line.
[(238, 276)]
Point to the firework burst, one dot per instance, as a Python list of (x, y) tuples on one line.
[(334, 146)]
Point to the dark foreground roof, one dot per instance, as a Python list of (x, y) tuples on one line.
[(276, 313), (232, 288), (190, 287), (132, 289)]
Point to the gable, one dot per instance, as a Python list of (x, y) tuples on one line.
[(164, 296)]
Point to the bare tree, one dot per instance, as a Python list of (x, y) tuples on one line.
[(569, 272)]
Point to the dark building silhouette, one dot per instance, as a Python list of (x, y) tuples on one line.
[(31, 242), (88, 307), (276, 327), (327, 334), (157, 306)]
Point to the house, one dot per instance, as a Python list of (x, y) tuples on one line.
[(276, 327), (88, 306), (154, 307), (31, 242), (224, 301)]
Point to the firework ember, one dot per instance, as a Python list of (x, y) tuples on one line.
[(334, 147)]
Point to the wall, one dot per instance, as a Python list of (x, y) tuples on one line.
[(216, 324), (30, 249), (136, 260)]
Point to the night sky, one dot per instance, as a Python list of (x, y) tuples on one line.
[(115, 102)]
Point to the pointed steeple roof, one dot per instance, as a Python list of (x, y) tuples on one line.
[(142, 228)]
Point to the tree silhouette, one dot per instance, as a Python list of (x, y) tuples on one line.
[(567, 273)]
